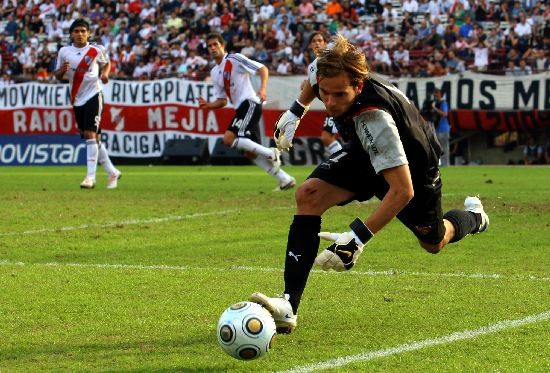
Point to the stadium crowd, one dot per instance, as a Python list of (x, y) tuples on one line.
[(151, 39)]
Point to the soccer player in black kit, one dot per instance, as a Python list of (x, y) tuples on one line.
[(391, 153)]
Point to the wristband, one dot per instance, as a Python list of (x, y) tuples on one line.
[(361, 230), (297, 109)]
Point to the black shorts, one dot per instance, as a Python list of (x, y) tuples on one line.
[(246, 121), (88, 116), (353, 171)]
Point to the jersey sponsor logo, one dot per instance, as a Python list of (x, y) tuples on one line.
[(369, 138)]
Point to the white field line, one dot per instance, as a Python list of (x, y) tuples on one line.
[(391, 272), (165, 219), (413, 346)]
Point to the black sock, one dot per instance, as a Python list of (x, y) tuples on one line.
[(301, 250), (465, 222)]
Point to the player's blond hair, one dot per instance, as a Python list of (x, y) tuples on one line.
[(342, 56)]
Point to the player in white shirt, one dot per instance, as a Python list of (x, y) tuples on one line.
[(231, 78), (85, 65)]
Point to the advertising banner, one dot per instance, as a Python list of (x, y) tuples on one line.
[(140, 116)]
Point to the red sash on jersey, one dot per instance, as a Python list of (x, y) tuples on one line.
[(81, 69), (227, 78)]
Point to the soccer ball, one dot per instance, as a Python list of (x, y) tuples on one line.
[(246, 331)]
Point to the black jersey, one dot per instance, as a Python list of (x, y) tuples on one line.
[(368, 126)]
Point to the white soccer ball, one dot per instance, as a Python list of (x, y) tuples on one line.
[(246, 331)]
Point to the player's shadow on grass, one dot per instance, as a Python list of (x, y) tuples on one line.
[(93, 354)]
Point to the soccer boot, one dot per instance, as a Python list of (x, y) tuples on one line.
[(280, 309), (275, 161), (473, 204), (112, 181), (87, 183), (286, 186)]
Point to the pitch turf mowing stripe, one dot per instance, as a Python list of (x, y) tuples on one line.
[(391, 272), (164, 219), (413, 346)]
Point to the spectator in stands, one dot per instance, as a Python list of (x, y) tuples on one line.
[(495, 39), (533, 153), (267, 11), (454, 64), (511, 69), (248, 50), (481, 55), (524, 68), (297, 61), (410, 6), (306, 8), (436, 68), (284, 67), (261, 55), (401, 59), (381, 62), (333, 7)]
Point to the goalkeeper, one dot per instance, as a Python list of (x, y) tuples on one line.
[(390, 153)]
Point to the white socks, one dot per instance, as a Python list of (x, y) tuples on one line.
[(91, 157), (266, 164), (242, 143), (103, 159)]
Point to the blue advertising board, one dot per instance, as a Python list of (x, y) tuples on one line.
[(53, 150)]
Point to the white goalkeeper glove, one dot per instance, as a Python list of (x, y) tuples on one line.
[(343, 253), (287, 124)]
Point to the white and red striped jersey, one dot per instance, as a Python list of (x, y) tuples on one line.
[(231, 79), (84, 69)]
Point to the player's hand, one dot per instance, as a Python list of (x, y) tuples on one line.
[(344, 252), (203, 104), (104, 78), (284, 130), (287, 124)]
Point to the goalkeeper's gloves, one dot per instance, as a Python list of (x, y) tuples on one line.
[(287, 124), (343, 253)]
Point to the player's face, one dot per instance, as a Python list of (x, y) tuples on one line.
[(317, 43), (337, 93), (216, 50), (80, 36)]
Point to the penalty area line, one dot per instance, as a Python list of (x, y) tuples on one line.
[(414, 346)]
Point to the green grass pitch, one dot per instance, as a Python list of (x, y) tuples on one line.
[(134, 279)]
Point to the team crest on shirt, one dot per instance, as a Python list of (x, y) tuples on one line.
[(88, 60), (227, 75)]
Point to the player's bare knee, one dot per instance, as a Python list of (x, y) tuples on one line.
[(306, 197)]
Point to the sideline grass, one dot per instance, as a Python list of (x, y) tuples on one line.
[(139, 280)]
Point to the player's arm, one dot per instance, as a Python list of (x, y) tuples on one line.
[(263, 72), (398, 196), (61, 68), (105, 71), (218, 103)]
